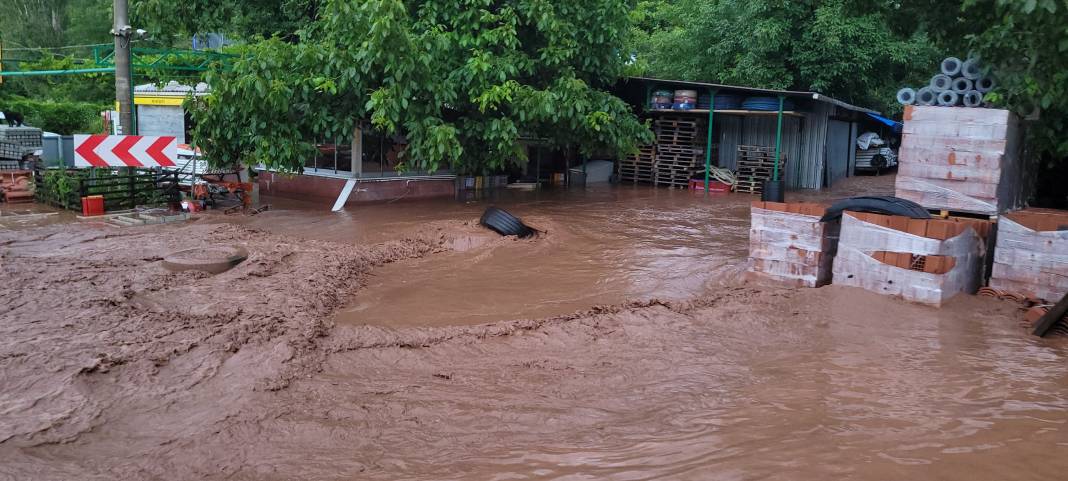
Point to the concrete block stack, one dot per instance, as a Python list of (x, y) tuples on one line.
[(921, 260), (1031, 256), (788, 243), (963, 160)]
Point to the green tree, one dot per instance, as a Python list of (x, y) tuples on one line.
[(858, 51), (247, 19), (464, 80), (55, 23), (1024, 44)]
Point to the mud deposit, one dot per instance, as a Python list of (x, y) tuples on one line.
[(115, 368)]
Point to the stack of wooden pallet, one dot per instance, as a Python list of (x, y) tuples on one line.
[(1031, 257), (963, 159), (638, 167), (755, 165), (680, 149)]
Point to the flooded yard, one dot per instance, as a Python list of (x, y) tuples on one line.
[(402, 341)]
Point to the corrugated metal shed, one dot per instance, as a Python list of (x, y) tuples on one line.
[(804, 136)]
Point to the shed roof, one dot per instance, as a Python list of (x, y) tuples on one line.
[(754, 90)]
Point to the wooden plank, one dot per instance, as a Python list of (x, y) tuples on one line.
[(1046, 322)]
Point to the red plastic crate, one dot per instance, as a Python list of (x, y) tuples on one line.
[(713, 186), (93, 205)]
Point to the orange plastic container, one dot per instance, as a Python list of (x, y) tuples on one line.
[(93, 205)]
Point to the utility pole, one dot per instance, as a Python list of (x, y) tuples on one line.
[(123, 80)]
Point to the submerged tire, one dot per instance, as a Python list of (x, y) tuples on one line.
[(889, 205), (503, 223)]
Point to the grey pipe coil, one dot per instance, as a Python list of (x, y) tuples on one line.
[(951, 66), (985, 84), (948, 98), (941, 82), (970, 69), (926, 96), (961, 85), (972, 98), (906, 96)]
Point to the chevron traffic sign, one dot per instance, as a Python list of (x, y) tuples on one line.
[(125, 151)]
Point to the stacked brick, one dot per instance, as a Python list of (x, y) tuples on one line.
[(921, 260), (1031, 256), (963, 160), (788, 243)]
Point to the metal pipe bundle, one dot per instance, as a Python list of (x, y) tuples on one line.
[(957, 83)]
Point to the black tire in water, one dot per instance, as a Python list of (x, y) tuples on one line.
[(886, 204), (503, 223)]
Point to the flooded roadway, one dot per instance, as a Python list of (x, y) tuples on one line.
[(427, 374)]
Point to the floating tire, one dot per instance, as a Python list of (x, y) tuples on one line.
[(888, 205), (503, 223)]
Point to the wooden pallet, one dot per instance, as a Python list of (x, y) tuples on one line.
[(749, 186)]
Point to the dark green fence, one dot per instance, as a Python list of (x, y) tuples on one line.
[(122, 189)]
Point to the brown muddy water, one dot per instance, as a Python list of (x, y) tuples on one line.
[(402, 341)]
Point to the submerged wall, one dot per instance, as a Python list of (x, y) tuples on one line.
[(315, 188)]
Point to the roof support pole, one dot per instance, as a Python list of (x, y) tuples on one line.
[(708, 145), (778, 140)]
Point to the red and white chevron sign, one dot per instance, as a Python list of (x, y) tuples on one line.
[(125, 151)]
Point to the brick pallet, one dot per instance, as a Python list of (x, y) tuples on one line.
[(921, 260), (788, 243), (1031, 256), (755, 165), (963, 160)]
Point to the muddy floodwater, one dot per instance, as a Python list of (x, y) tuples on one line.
[(403, 341)]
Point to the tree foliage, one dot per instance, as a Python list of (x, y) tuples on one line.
[(463, 80), (53, 23), (1024, 44), (858, 51), (249, 19)]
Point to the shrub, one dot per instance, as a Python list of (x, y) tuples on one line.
[(63, 118)]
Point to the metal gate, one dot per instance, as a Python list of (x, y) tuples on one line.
[(838, 146)]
